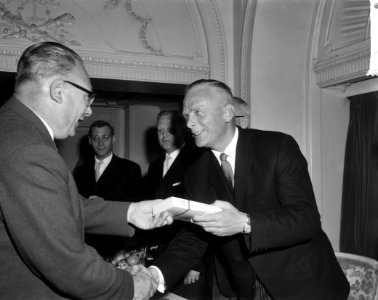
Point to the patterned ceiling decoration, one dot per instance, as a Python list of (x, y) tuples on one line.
[(344, 43), (172, 41), (29, 23), (145, 22)]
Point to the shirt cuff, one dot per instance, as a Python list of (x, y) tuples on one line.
[(128, 215), (161, 283)]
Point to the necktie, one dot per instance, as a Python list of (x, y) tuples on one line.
[(227, 169), (98, 169), (167, 164)]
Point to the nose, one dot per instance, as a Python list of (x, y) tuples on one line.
[(88, 112), (189, 121)]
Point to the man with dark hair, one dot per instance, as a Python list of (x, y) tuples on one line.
[(269, 226), (110, 177), (43, 217)]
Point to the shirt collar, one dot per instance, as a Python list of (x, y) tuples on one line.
[(173, 154), (230, 149), (105, 160)]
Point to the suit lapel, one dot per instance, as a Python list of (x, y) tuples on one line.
[(174, 172), (109, 169), (218, 180), (164, 182), (245, 158)]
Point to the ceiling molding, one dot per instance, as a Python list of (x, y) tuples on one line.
[(154, 55), (246, 51), (344, 43)]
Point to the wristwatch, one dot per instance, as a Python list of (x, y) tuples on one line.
[(247, 225)]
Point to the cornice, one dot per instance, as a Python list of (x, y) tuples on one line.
[(341, 69), (160, 69), (344, 43)]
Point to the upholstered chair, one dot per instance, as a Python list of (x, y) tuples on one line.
[(362, 274)]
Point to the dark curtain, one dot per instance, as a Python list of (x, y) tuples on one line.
[(359, 214)]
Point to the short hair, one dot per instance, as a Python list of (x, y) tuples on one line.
[(176, 117), (213, 83), (178, 125), (46, 59), (100, 124)]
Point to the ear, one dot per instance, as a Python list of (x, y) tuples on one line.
[(113, 139), (56, 90), (89, 140), (228, 112)]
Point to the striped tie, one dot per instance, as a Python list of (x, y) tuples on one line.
[(227, 169)]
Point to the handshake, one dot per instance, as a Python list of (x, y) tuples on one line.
[(145, 280)]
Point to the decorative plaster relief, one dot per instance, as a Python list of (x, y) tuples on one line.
[(344, 43), (29, 23), (246, 60), (107, 38), (339, 70), (145, 22), (349, 24)]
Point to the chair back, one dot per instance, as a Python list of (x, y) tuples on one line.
[(362, 274)]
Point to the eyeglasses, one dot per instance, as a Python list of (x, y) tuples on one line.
[(98, 139), (91, 95)]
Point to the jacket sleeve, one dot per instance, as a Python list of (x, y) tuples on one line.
[(183, 253), (44, 216)]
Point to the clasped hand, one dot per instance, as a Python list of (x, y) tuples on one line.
[(144, 284), (228, 222)]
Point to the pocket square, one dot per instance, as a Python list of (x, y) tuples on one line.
[(177, 183)]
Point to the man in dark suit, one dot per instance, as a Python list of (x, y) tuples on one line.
[(110, 177), (269, 226), (165, 178), (118, 178), (43, 217)]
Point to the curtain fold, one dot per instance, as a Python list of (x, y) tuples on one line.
[(359, 213)]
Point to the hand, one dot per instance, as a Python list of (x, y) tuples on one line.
[(191, 277), (140, 215), (228, 222), (144, 284)]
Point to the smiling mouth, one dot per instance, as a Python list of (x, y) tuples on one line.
[(197, 133)]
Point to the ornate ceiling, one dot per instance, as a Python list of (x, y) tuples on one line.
[(144, 40)]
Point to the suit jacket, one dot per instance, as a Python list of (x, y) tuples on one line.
[(43, 217), (287, 248), (120, 180), (172, 184)]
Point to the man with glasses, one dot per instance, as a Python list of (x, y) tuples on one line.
[(42, 216), (110, 177)]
